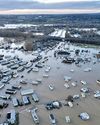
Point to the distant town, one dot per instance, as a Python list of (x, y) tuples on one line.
[(82, 28)]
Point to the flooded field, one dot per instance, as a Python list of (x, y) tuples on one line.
[(51, 71)]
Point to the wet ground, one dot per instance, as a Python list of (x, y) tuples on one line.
[(56, 77)]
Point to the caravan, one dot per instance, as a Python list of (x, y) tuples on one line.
[(12, 117)]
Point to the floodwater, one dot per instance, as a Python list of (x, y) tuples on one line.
[(56, 77)]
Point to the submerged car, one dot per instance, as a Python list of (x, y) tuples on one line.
[(53, 105), (67, 118), (49, 106), (84, 116), (26, 100), (98, 82), (35, 97), (51, 87), (97, 95), (18, 87), (34, 116), (52, 119), (15, 102), (20, 69), (67, 78), (83, 82), (85, 90), (12, 117), (3, 104), (76, 96)]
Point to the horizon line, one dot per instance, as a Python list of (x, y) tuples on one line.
[(48, 11)]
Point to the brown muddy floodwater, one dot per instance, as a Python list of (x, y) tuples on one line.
[(56, 77)]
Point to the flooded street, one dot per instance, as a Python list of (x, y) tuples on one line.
[(56, 74)]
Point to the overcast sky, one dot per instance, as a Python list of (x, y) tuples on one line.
[(49, 6)]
